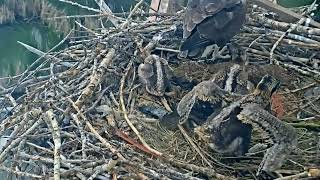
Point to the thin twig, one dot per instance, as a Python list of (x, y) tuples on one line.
[(124, 111)]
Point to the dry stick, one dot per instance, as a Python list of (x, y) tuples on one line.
[(300, 43), (284, 13), (304, 71), (143, 29), (194, 168), (284, 25), (304, 106), (14, 78), (54, 127), (40, 147), (18, 139), (27, 117), (6, 123), (184, 133), (97, 135), (299, 89), (104, 168), (12, 100), (295, 39), (124, 111), (168, 50), (108, 15), (81, 6), (50, 161), (95, 78), (82, 134), (105, 9), (87, 29), (16, 160), (20, 125), (294, 26), (23, 84), (37, 51), (103, 141), (152, 174), (296, 176), (19, 173), (126, 23)]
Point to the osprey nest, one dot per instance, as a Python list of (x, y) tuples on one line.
[(105, 107)]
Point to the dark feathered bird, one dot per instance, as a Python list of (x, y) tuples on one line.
[(209, 22)]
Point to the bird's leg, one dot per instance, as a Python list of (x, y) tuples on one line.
[(215, 51), (236, 52), (218, 54), (207, 51)]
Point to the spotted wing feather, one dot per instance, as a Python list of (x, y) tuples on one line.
[(211, 22)]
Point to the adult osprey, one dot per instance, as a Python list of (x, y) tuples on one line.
[(209, 22)]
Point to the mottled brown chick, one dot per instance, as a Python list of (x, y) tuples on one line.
[(154, 74)]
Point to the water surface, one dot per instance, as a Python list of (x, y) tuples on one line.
[(14, 58)]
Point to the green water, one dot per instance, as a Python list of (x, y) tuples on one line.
[(14, 58)]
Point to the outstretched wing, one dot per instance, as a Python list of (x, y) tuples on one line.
[(283, 135)]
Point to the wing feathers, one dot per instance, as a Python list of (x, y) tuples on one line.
[(209, 22), (199, 10)]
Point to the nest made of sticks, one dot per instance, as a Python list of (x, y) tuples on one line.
[(74, 112)]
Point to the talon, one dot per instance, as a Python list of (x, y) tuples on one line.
[(209, 50), (217, 54)]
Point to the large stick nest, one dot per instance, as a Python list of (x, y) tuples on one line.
[(75, 113)]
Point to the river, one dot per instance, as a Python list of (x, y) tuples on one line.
[(14, 58)]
